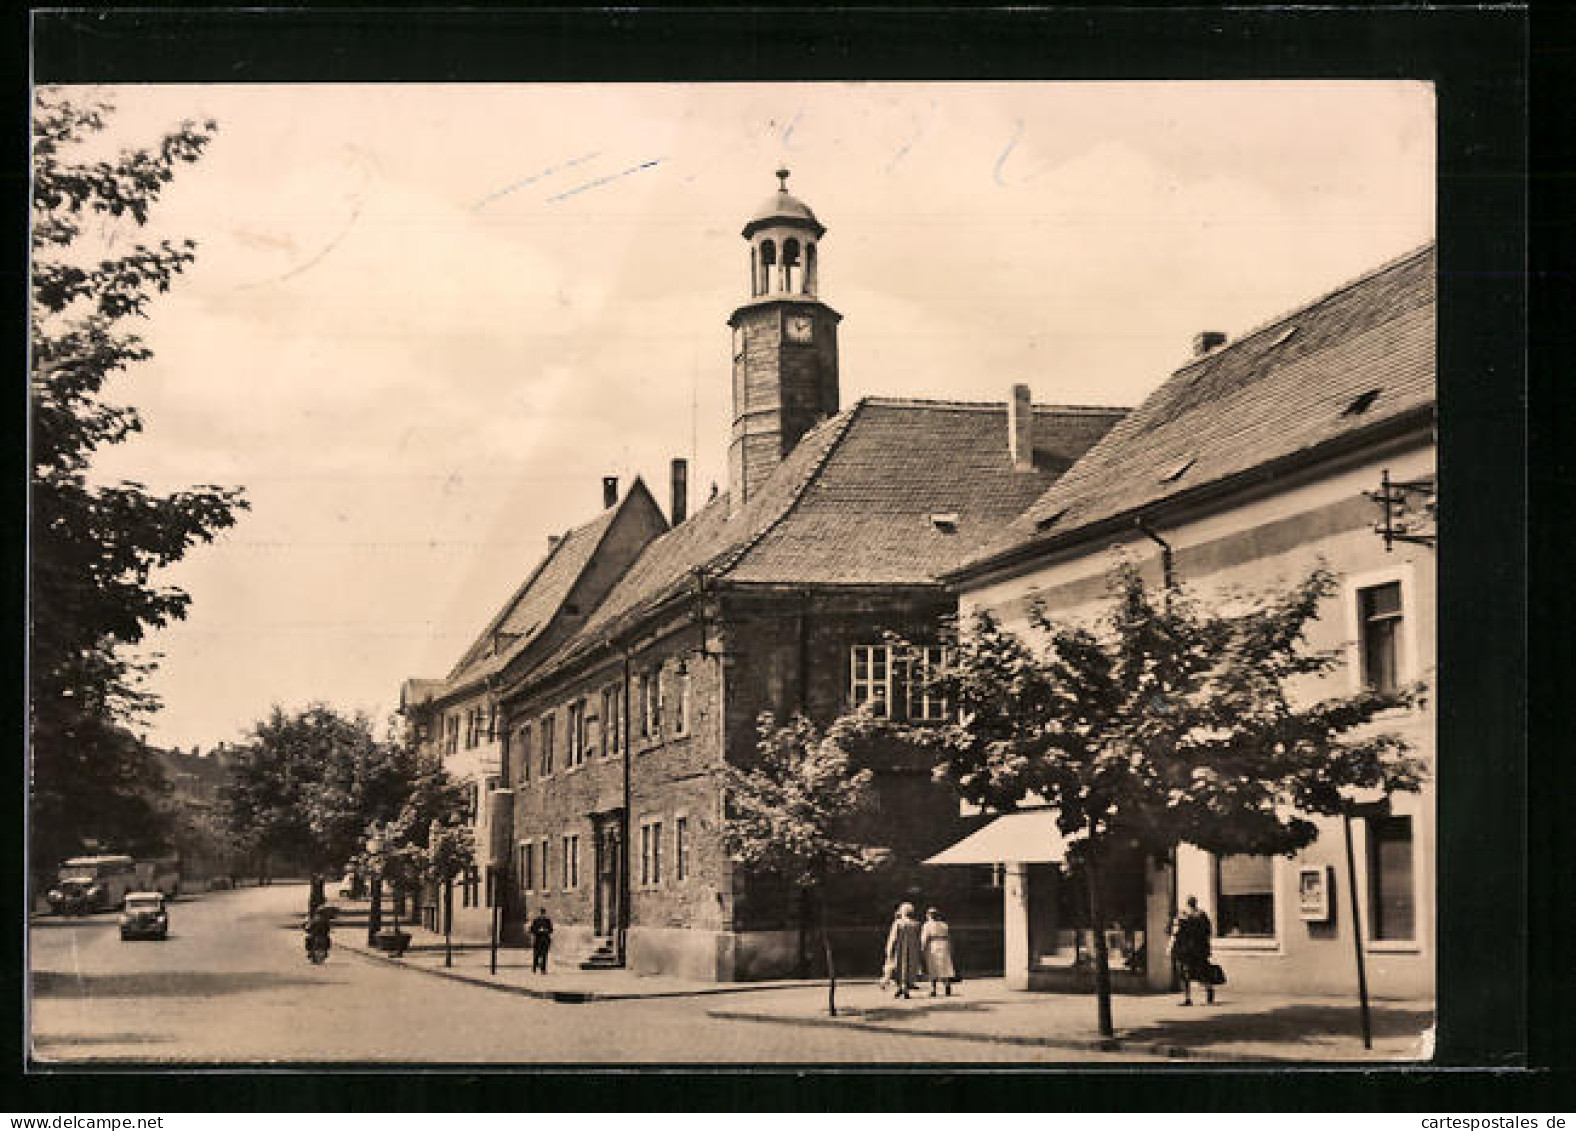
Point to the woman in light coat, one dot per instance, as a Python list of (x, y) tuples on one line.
[(904, 955), (935, 938)]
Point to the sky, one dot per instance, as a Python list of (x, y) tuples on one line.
[(425, 321)]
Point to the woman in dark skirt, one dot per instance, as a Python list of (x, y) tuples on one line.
[(1190, 951)]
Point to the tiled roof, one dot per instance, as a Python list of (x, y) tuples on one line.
[(528, 613), (1288, 387), (853, 504)]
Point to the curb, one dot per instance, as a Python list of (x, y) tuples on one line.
[(566, 997), (1078, 1044)]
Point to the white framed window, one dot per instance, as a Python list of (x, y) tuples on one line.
[(1380, 628), (651, 853), (681, 847), (1392, 879), (523, 758), (650, 702), (895, 680), (681, 700), (571, 861), (575, 736), (1245, 897), (612, 719), (546, 735), (527, 866), (547, 871)]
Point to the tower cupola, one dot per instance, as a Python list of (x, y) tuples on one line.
[(784, 343)]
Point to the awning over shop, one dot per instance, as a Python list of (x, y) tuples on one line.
[(1030, 837)]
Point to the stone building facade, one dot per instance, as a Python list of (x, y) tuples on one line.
[(777, 596)]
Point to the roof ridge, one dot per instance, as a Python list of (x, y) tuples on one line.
[(812, 473), (606, 517), (879, 401), (1286, 315)]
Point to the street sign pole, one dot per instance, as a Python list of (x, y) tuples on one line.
[(497, 909), (1357, 931)]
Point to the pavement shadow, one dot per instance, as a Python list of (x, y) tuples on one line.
[(163, 983), (1286, 1023), (919, 1009)]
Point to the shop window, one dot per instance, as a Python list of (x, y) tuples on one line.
[(1379, 623), (1392, 899), (1245, 897)]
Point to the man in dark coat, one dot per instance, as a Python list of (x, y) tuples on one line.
[(541, 932)]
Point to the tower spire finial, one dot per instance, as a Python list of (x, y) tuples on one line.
[(782, 179)]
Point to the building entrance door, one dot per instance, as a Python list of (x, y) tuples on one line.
[(609, 867)]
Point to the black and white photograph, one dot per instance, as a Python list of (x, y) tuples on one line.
[(841, 573)]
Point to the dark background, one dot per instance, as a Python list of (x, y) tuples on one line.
[(1506, 960)]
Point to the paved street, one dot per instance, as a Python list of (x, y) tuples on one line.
[(231, 984)]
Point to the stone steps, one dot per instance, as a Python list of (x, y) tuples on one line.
[(603, 956)]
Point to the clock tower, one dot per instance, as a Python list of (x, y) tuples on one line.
[(784, 343)]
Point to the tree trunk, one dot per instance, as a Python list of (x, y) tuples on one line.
[(375, 910), (804, 933), (448, 922), (1102, 956), (831, 968)]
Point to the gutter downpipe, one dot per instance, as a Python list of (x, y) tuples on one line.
[(623, 833), (1168, 582)]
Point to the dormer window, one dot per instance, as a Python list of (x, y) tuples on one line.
[(946, 522), (1283, 337), (1178, 470), (1049, 520), (1361, 403)]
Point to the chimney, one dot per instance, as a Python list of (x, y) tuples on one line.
[(1020, 429), (680, 490), (1207, 340), (609, 490)]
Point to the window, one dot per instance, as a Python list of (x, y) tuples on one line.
[(650, 853), (524, 738), (527, 867), (612, 719), (470, 729), (896, 680), (546, 873), (1392, 910), (1379, 628), (575, 745), (1245, 897), (650, 696), (546, 761), (451, 734), (571, 862), (681, 694), (470, 887), (681, 865), (491, 732)]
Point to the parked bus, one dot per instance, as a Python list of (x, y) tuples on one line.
[(101, 882)]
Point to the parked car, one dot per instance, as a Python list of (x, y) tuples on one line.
[(144, 916), (72, 897)]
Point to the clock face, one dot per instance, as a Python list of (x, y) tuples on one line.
[(800, 327)]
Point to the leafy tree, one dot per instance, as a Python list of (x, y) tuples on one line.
[(794, 812), (308, 784), (428, 840), (1165, 723), (95, 546)]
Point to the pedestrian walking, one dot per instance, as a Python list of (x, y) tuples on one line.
[(1190, 936), (935, 939), (541, 931), (904, 955)]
